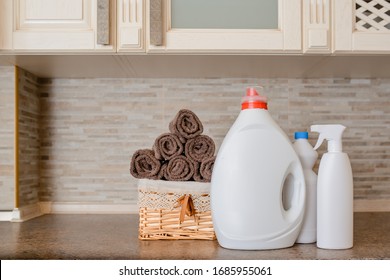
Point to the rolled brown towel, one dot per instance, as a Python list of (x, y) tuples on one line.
[(161, 174), (167, 145), (197, 176), (144, 164), (179, 168), (200, 148), (206, 168), (186, 125)]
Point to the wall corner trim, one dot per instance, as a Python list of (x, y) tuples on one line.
[(26, 213), (16, 138)]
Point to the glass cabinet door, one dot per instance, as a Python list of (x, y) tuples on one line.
[(225, 26), (224, 14)]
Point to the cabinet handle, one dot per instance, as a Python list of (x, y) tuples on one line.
[(103, 22), (156, 34)]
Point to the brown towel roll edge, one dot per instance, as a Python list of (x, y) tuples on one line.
[(144, 164)]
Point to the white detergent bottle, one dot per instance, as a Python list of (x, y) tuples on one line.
[(252, 166), (334, 191), (308, 157)]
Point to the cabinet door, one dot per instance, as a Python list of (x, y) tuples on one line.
[(224, 26), (362, 26), (62, 25)]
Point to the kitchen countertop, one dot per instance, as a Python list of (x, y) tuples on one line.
[(116, 237)]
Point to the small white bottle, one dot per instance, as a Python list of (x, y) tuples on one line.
[(334, 191), (308, 157)]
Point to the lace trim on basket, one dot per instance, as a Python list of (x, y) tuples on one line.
[(157, 200)]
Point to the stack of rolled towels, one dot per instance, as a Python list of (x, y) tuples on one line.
[(182, 154)]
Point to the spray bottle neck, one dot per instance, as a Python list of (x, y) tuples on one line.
[(335, 146)]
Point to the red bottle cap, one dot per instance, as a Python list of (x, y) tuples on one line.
[(253, 100)]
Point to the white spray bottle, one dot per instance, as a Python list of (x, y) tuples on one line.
[(334, 191)]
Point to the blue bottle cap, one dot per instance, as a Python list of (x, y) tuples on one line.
[(301, 135)]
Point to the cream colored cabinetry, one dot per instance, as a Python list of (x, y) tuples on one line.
[(6, 17), (59, 25), (361, 26), (171, 26), (170, 31), (130, 25), (317, 26), (72, 25)]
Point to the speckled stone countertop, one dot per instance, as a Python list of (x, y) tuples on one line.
[(116, 237)]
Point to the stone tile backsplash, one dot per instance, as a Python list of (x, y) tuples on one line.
[(91, 127), (29, 138), (79, 134)]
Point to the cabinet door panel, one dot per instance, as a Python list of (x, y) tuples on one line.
[(53, 14), (182, 33), (224, 14), (65, 25), (52, 10), (362, 26)]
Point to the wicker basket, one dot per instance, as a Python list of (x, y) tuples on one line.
[(174, 210)]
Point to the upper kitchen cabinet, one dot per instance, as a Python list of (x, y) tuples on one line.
[(58, 25), (362, 26), (224, 26)]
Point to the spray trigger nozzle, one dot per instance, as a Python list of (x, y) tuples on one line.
[(321, 139), (332, 133)]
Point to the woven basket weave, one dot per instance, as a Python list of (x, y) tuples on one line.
[(161, 215)]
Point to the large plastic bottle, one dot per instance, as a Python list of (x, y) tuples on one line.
[(334, 191), (308, 157), (253, 163)]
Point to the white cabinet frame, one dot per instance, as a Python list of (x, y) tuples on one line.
[(130, 25), (317, 26)]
